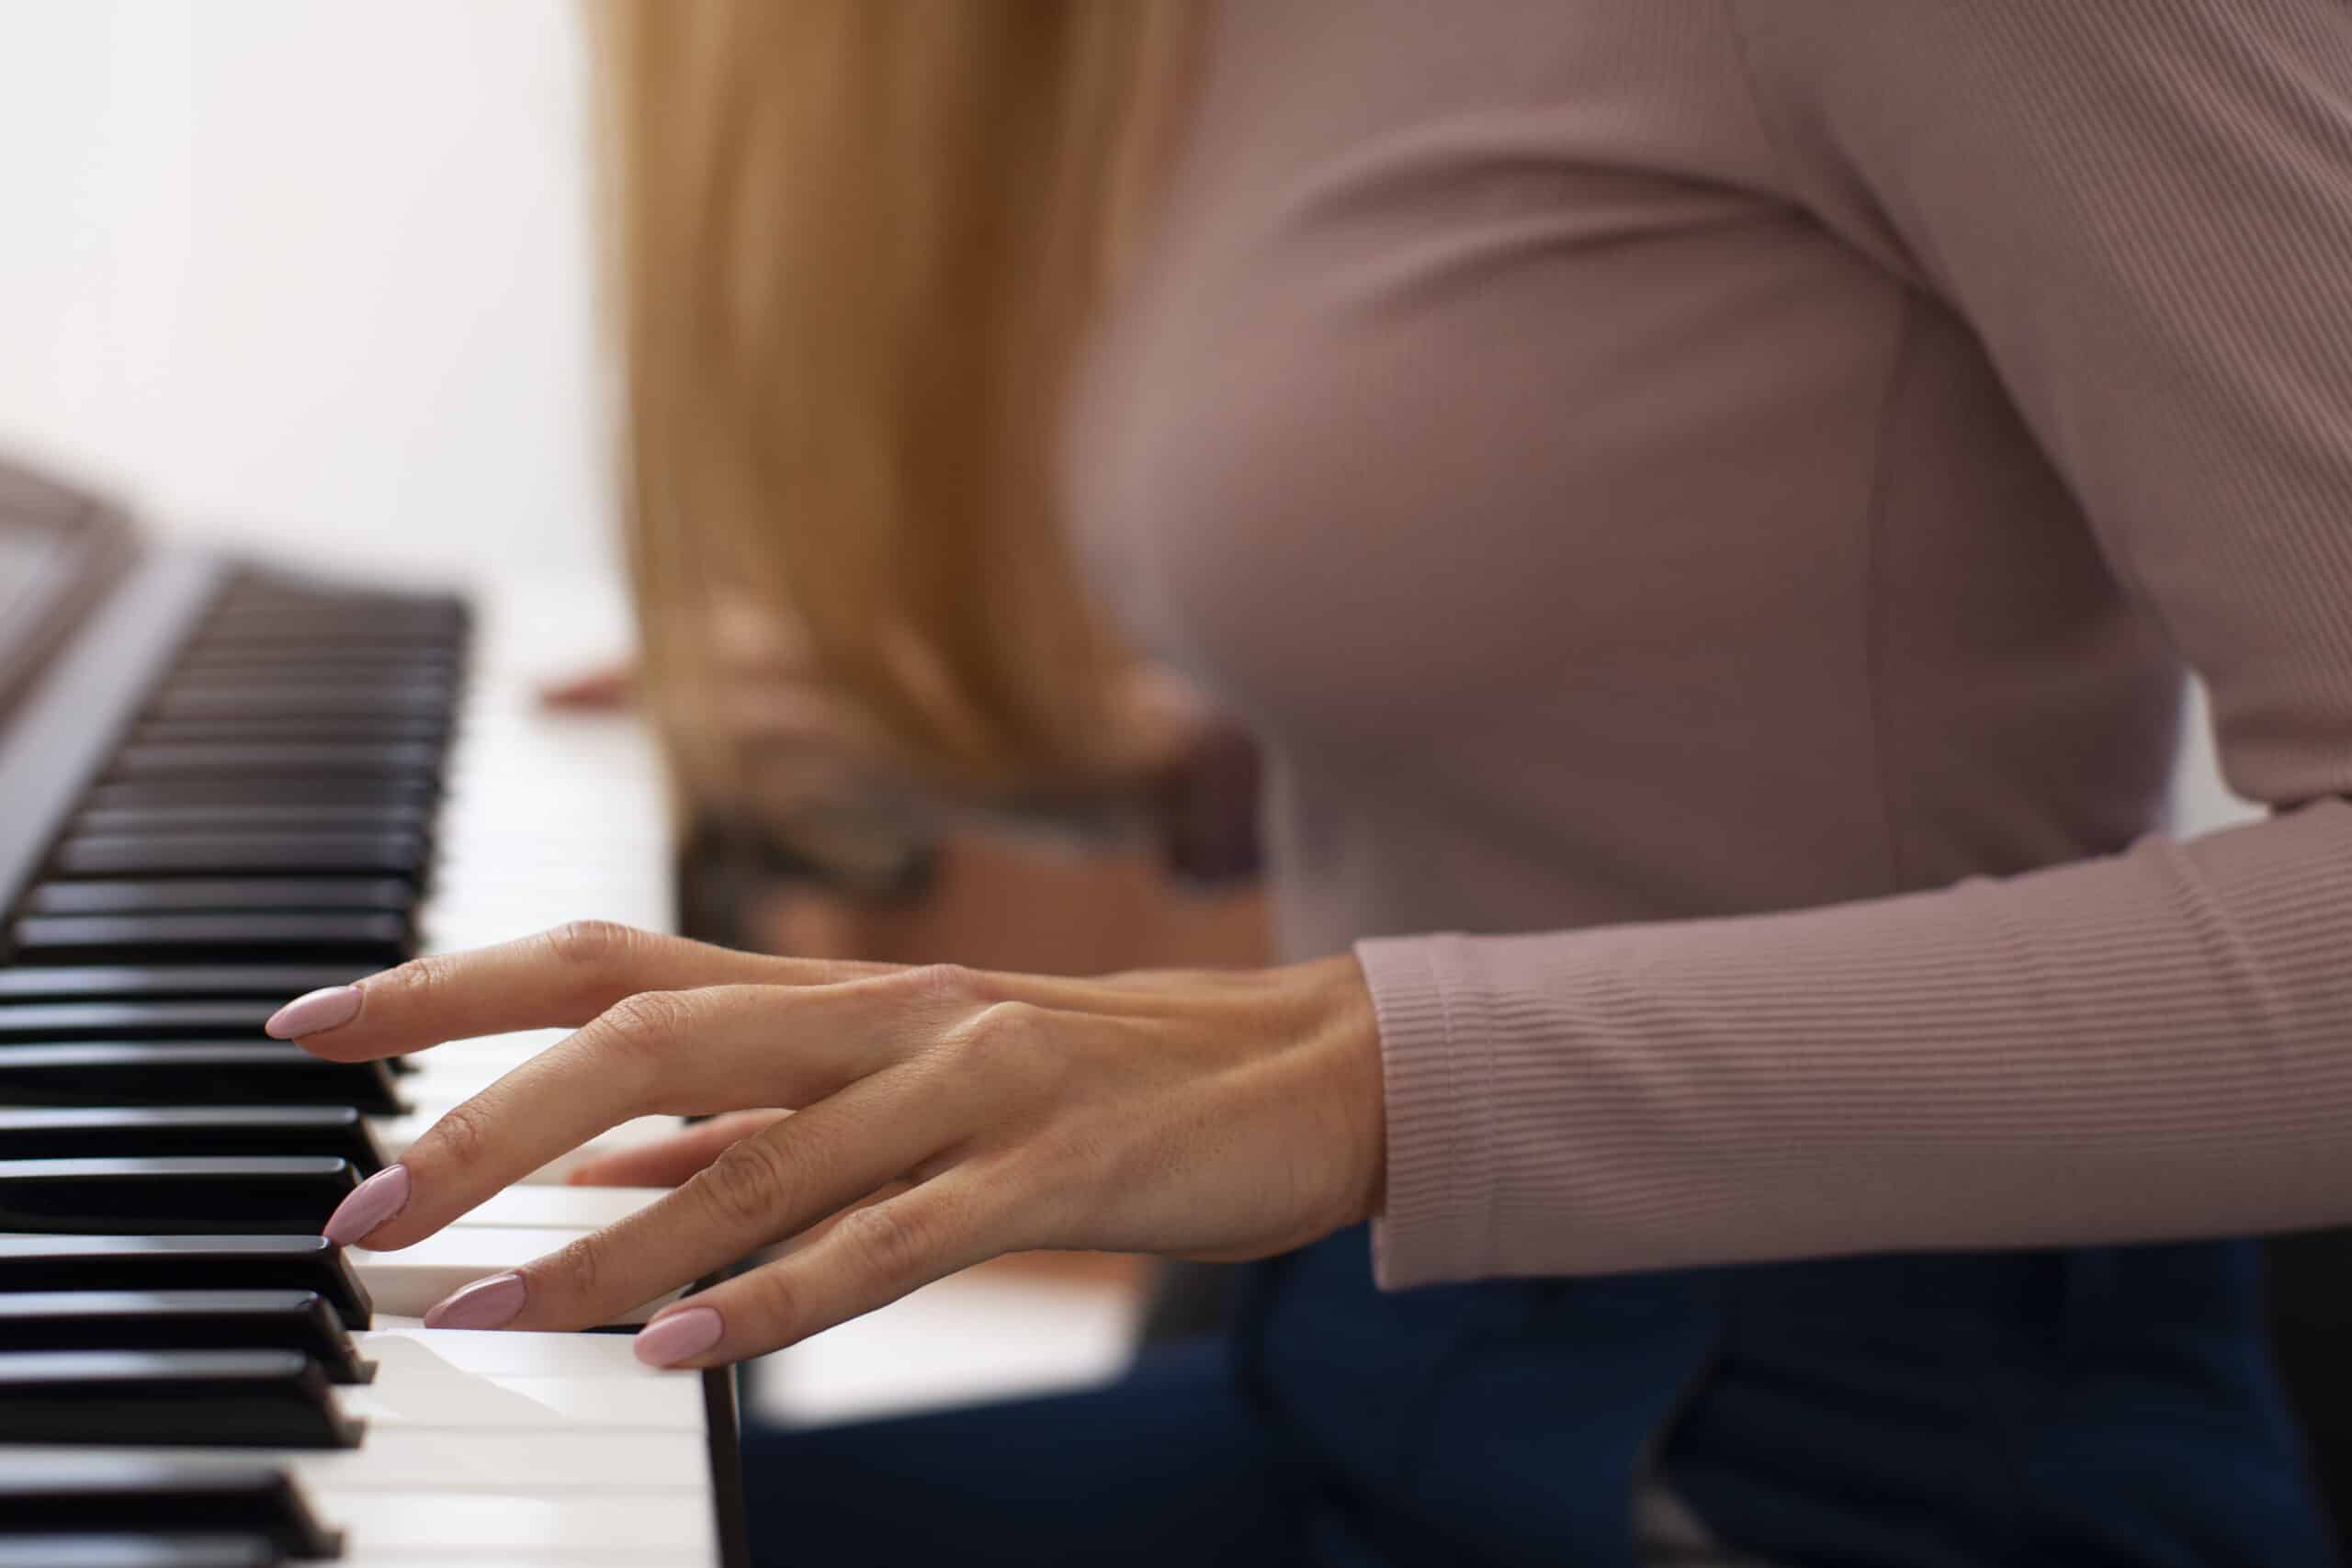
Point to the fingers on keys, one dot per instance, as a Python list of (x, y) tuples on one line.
[(872, 1258), (760, 1190), (677, 1053)]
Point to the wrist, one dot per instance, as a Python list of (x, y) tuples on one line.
[(1347, 1032)]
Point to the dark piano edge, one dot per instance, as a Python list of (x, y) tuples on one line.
[(721, 1421), (61, 734)]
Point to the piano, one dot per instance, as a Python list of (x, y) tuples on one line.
[(221, 785)]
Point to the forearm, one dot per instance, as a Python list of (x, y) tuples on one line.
[(2152, 1045)]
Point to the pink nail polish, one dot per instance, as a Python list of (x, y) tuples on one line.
[(314, 1012), (375, 1202), (485, 1303), (666, 1341)]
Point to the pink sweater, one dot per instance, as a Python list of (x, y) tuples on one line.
[(1712, 498)]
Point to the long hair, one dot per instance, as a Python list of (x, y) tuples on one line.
[(852, 246)]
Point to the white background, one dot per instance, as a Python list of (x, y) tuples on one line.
[(317, 274)]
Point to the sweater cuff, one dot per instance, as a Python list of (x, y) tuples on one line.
[(1437, 1221)]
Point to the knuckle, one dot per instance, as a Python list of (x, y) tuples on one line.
[(590, 944), (420, 983), (744, 1187), (647, 1025), (998, 1026), (774, 1300), (463, 1136), (944, 983), (1004, 1047), (888, 1240), (577, 1269)]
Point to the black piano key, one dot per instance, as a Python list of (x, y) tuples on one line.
[(259, 895), (300, 1321), (260, 791), (208, 1549), (254, 586), (357, 627), (400, 853), (198, 697), (432, 673), (193, 1072), (373, 939), (219, 1398), (333, 648), (218, 694), (351, 643), (186, 1263), (430, 729), (338, 621), (174, 1195), (73, 1132), (100, 1494), (241, 760), (143, 1024), (133, 1020), (272, 601), (299, 663), (263, 981)]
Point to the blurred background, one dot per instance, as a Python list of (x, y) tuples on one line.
[(318, 281)]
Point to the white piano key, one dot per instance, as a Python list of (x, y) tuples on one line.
[(442, 1082), (541, 1461), (539, 1207), (404, 1349), (672, 1403), (567, 1529), (634, 1133), (411, 1280), (394, 1134), (526, 1559), (513, 1047), (485, 1377)]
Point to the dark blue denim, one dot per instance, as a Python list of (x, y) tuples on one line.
[(2103, 1408)]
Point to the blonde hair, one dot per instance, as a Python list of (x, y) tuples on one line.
[(852, 245)]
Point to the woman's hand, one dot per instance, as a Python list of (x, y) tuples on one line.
[(1215, 1115)]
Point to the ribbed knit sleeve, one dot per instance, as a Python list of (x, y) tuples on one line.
[(2144, 209)]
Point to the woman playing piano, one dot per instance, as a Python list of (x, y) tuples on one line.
[(1704, 506)]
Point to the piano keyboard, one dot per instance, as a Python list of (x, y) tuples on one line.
[(225, 788)]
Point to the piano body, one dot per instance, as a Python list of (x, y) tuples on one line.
[(220, 786)]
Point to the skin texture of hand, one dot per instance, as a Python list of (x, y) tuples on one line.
[(1197, 1114)]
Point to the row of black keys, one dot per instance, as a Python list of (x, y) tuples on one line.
[(172, 1034), (264, 829), (275, 797)]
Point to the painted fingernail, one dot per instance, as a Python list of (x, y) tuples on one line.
[(666, 1341), (314, 1012), (485, 1303), (373, 1203)]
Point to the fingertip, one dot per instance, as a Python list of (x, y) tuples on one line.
[(368, 1207), (314, 1012), (492, 1303), (678, 1335)]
